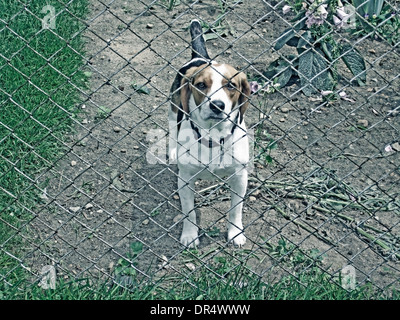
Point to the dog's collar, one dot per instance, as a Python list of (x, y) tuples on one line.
[(210, 143)]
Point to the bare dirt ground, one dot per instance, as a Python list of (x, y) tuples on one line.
[(331, 184)]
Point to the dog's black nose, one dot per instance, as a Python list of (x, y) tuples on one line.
[(217, 106)]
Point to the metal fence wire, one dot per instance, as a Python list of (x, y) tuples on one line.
[(323, 191)]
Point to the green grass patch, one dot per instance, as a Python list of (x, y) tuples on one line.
[(211, 283), (40, 71), (224, 276)]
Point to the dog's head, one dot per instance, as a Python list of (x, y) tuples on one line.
[(214, 94)]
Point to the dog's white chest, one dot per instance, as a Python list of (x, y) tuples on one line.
[(211, 154)]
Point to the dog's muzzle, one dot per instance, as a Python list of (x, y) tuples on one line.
[(217, 106)]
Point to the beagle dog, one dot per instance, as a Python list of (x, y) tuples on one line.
[(207, 134)]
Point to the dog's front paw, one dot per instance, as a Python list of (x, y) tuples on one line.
[(237, 237), (190, 240)]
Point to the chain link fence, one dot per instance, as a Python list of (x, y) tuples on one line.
[(323, 194)]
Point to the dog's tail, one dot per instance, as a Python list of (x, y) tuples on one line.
[(198, 44)]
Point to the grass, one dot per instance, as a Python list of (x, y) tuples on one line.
[(219, 279), (40, 71)]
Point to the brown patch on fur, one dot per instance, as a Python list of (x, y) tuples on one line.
[(175, 94), (187, 85), (245, 92), (203, 76), (239, 95)]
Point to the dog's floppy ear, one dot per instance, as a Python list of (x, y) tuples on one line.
[(245, 92), (186, 88), (185, 93)]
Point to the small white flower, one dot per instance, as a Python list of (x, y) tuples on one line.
[(342, 14), (286, 9), (323, 13), (338, 23), (345, 15), (326, 92), (343, 95)]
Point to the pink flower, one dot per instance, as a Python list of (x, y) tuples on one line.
[(388, 148), (254, 86), (316, 15), (312, 20)]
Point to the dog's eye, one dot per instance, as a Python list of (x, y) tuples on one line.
[(231, 86), (201, 86)]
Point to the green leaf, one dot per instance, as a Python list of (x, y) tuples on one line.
[(294, 60), (268, 159), (299, 16), (314, 73), (271, 70), (284, 38), (144, 90), (210, 36), (293, 42), (140, 88), (300, 25), (214, 232), (369, 7), (284, 77), (273, 145), (136, 247), (288, 34), (305, 40), (355, 62), (280, 71), (327, 48), (122, 262)]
